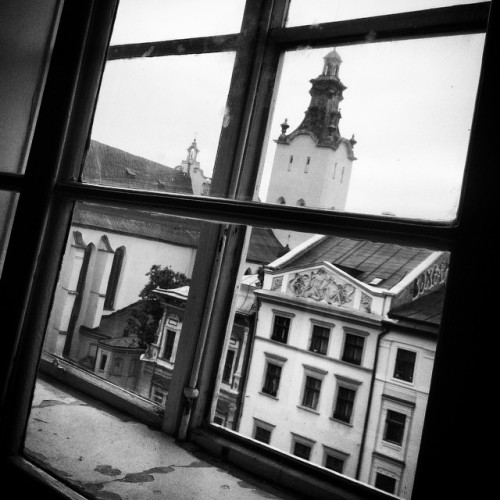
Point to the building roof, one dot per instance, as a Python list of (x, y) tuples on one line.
[(364, 260), (426, 309), (111, 166), (148, 225), (264, 247)]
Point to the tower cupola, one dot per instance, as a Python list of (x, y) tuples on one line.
[(323, 115)]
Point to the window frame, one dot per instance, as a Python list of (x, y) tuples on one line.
[(46, 197)]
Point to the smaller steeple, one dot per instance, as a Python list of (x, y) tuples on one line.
[(192, 154)]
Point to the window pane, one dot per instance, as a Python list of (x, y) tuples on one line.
[(385, 130), (153, 20), (158, 122), (322, 11), (330, 396), (8, 202), (30, 25), (132, 340)]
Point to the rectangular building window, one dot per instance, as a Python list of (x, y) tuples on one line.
[(272, 379), (281, 328), (228, 366), (102, 363), (169, 345), (301, 450), (385, 483), (394, 427), (345, 404), (334, 463), (312, 391), (319, 339), (405, 365), (308, 162), (262, 434), (353, 349)]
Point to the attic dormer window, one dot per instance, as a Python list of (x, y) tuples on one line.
[(376, 281)]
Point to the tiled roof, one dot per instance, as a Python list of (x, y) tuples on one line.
[(365, 260), (426, 309), (146, 225), (264, 247), (113, 167)]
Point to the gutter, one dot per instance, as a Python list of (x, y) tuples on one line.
[(384, 332)]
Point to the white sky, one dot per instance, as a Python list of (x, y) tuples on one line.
[(408, 103)]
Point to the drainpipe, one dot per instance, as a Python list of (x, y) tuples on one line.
[(384, 331), (190, 391)]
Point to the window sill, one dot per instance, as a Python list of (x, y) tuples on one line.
[(87, 382), (268, 395), (304, 478), (310, 410), (341, 421)]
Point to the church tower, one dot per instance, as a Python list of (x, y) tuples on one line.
[(312, 165), (191, 166)]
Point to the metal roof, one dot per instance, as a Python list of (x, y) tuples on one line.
[(365, 260)]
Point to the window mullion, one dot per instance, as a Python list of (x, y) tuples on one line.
[(440, 21)]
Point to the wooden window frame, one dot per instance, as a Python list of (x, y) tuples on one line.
[(49, 187)]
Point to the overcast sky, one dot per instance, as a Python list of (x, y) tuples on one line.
[(408, 103)]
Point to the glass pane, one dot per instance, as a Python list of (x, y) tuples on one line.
[(158, 122), (380, 129), (152, 20), (303, 12), (110, 317), (23, 64), (388, 297), (8, 202)]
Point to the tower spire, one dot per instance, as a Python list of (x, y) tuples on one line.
[(323, 114)]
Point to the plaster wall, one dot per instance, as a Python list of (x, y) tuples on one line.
[(285, 411), (320, 184)]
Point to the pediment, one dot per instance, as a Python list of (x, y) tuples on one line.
[(324, 284)]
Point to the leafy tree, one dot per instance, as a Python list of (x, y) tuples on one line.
[(148, 311)]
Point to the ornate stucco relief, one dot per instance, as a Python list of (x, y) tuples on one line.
[(321, 285)]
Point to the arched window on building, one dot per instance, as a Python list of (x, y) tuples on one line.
[(281, 200), (114, 276), (77, 305), (301, 203)]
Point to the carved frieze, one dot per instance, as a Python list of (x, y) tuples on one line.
[(321, 285)]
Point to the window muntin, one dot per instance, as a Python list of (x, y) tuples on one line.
[(405, 365), (388, 180), (304, 12), (353, 348), (394, 427)]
